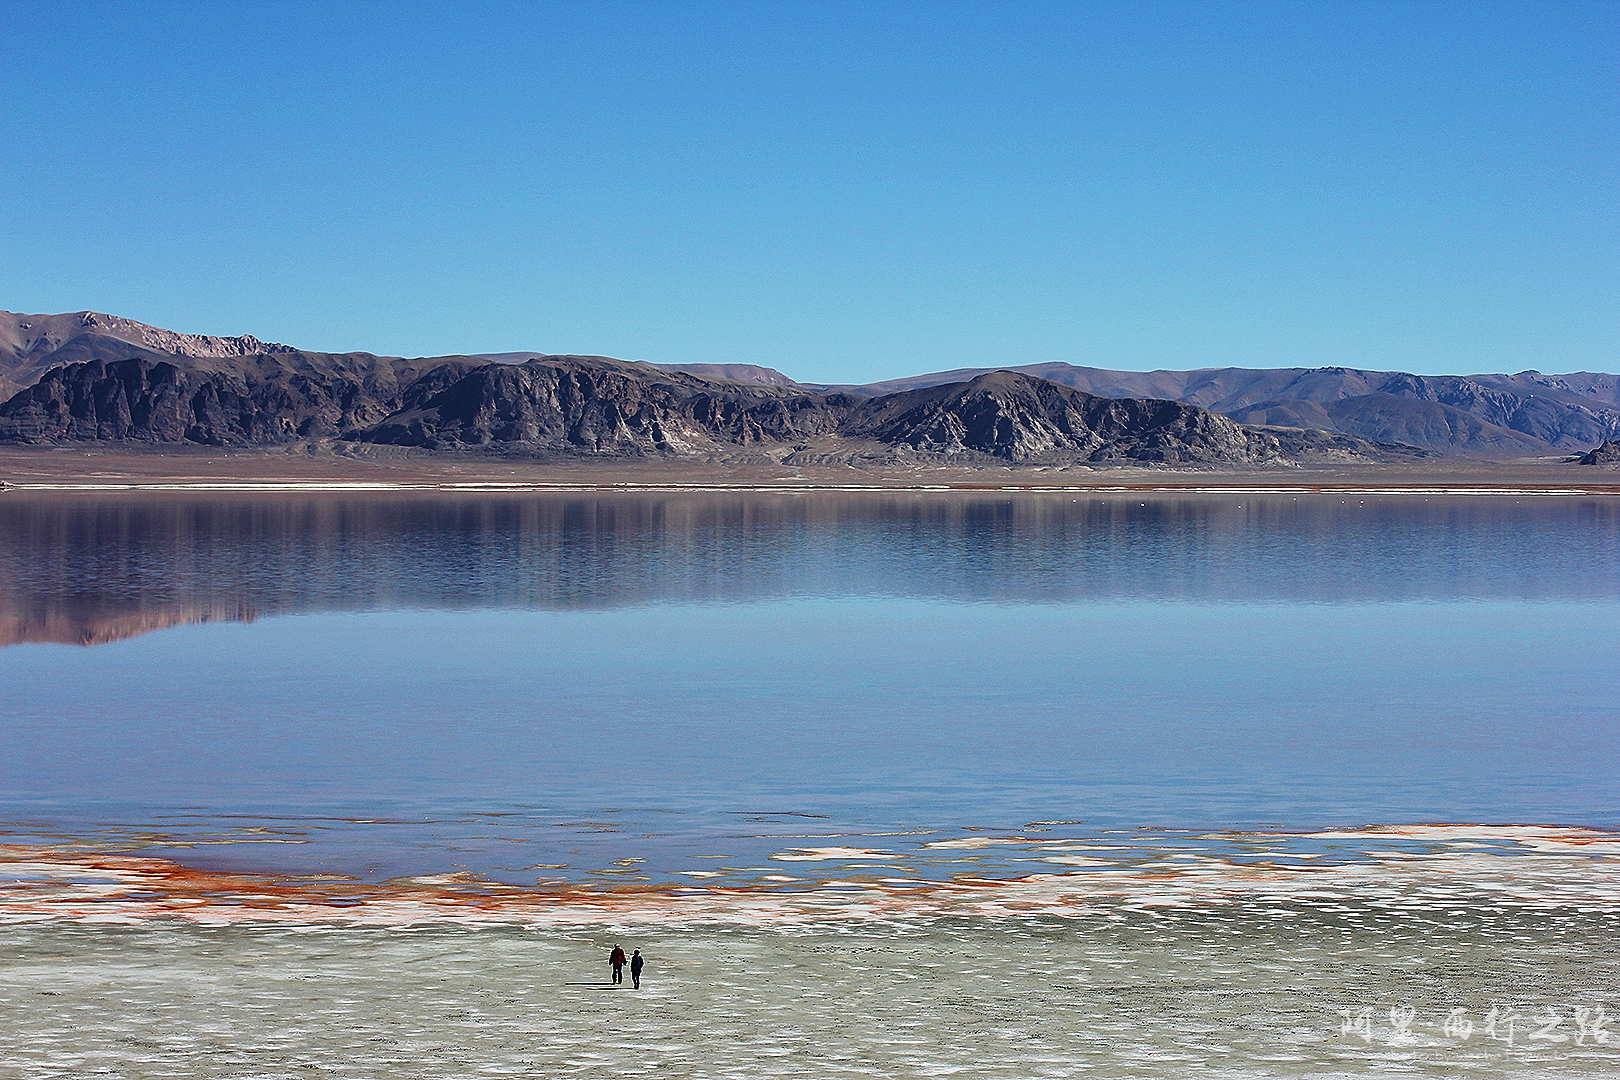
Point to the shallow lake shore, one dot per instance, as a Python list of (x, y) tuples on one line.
[(1463, 959), (72, 468), (1422, 870)]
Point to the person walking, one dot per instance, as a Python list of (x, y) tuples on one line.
[(616, 958), (636, 964)]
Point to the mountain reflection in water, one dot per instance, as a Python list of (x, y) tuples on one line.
[(740, 689), (92, 569)]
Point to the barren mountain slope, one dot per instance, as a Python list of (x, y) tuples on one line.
[(31, 345), (219, 401), (1525, 414), (595, 404), (746, 373), (575, 405), (1021, 418), (99, 377)]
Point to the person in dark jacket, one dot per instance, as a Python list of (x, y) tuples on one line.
[(636, 964), (616, 958)]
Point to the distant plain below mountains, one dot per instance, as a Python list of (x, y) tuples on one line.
[(89, 378)]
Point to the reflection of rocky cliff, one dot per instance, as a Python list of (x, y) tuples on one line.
[(93, 568), (65, 626)]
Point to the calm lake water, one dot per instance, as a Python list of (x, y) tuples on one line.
[(1244, 768), (385, 685)]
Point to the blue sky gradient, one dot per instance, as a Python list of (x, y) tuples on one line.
[(847, 192)]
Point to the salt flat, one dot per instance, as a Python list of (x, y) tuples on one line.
[(1261, 990)]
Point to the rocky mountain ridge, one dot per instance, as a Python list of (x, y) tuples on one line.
[(590, 404), (217, 401), (31, 345), (1522, 415), (576, 406), (596, 404), (107, 378), (1502, 415), (1015, 416)]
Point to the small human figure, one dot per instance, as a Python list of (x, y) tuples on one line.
[(636, 964), (616, 958)]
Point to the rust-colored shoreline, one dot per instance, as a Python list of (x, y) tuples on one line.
[(1548, 867)]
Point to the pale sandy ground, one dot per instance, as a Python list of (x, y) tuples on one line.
[(1265, 991), (386, 467)]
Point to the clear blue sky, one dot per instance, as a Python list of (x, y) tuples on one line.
[(843, 191)]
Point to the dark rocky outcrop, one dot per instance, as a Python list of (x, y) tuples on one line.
[(1606, 454), (1307, 445), (138, 398), (1024, 419), (599, 405), (246, 401)]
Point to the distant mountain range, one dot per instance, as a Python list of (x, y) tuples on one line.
[(92, 377), (1521, 415)]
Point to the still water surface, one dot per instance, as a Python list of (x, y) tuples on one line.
[(648, 688)]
